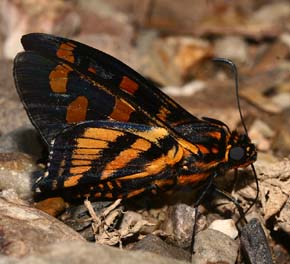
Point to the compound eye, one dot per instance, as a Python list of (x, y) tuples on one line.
[(237, 153)]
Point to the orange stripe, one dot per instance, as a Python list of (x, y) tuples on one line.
[(85, 151), (191, 179), (207, 166), (134, 176), (104, 134), (77, 110), (173, 156), (85, 157), (79, 169), (135, 192), (58, 78), (188, 146), (91, 144), (72, 181), (125, 157), (141, 144), (154, 134), (79, 162), (163, 182)]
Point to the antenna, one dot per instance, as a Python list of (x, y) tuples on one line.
[(236, 77)]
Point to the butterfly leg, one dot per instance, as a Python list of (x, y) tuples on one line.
[(211, 187), (235, 202), (208, 187)]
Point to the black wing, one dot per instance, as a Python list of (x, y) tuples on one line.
[(63, 82)]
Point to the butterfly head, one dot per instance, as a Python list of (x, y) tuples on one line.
[(241, 152)]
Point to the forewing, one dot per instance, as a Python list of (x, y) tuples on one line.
[(60, 68), (111, 159), (55, 95)]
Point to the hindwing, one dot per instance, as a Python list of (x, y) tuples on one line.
[(112, 159)]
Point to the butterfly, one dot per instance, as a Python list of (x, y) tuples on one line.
[(110, 132)]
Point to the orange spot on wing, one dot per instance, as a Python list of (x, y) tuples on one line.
[(110, 185), (203, 149), (77, 110), (215, 150), (122, 110), (58, 78), (163, 113), (118, 183), (72, 181), (216, 135), (128, 85), (65, 51), (97, 195), (92, 70), (109, 195)]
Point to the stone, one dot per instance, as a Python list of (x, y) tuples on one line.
[(19, 18), (188, 89), (16, 173), (231, 47), (283, 218), (281, 141), (25, 230), (272, 13), (226, 226), (173, 60), (282, 100), (12, 112), (212, 246), (75, 252), (156, 245), (179, 225), (261, 135), (254, 243), (23, 139)]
